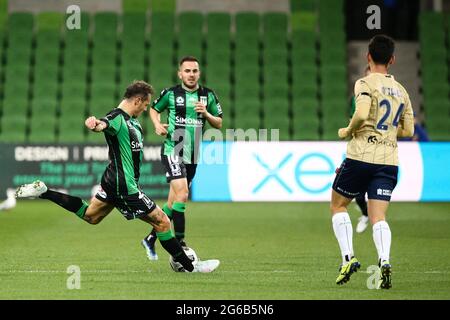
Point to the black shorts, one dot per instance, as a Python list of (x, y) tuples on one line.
[(130, 206), (354, 178), (177, 169)]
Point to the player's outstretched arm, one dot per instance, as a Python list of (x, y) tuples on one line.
[(94, 124)]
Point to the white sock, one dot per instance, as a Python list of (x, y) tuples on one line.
[(382, 239), (343, 231)]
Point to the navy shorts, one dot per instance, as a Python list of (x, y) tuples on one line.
[(354, 178), (130, 206)]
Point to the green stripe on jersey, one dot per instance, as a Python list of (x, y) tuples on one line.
[(125, 141), (127, 157), (180, 105)]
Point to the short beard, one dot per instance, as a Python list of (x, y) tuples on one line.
[(190, 87)]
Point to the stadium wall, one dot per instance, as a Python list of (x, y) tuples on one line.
[(73, 168), (304, 171)]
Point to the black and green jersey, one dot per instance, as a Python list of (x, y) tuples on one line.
[(125, 140), (185, 125)]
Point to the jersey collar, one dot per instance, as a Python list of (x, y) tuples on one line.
[(127, 116), (189, 91)]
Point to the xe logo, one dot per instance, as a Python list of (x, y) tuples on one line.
[(313, 173), (272, 173)]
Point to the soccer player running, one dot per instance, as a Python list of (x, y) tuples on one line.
[(189, 107), (383, 112), (119, 184)]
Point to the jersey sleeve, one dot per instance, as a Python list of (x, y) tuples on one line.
[(113, 123), (214, 106), (363, 100), (407, 117), (362, 92), (162, 102)]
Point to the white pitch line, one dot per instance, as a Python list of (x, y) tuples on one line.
[(222, 271), (83, 271), (134, 271)]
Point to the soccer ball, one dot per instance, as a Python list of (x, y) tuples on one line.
[(176, 266)]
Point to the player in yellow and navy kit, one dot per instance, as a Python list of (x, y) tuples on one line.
[(383, 113)]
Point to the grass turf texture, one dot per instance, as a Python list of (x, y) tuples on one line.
[(267, 251)]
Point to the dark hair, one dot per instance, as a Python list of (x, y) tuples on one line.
[(381, 49), (188, 58), (138, 88)]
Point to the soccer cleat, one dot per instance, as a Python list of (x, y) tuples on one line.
[(363, 222), (183, 243), (385, 276), (347, 270), (206, 266), (31, 190), (149, 247)]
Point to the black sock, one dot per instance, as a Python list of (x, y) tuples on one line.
[(178, 209), (152, 236), (361, 201), (68, 202), (179, 224), (172, 246)]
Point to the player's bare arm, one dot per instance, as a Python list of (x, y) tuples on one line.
[(215, 122), (160, 128)]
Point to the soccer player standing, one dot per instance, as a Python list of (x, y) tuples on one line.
[(119, 183), (383, 112), (189, 107)]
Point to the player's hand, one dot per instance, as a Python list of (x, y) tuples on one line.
[(200, 108), (91, 122), (161, 129), (343, 133)]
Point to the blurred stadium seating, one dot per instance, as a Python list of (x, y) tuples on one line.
[(270, 70), (434, 39)]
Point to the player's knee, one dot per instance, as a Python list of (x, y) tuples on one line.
[(93, 220), (336, 207), (91, 217), (163, 225), (182, 196), (376, 219)]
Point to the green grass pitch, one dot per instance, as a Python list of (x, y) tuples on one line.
[(267, 251)]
